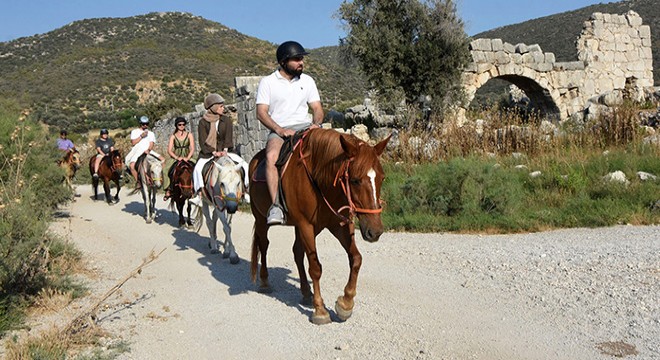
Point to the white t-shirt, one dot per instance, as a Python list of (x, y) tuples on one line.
[(143, 145), (288, 100)]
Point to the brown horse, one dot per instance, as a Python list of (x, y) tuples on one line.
[(182, 189), (110, 169), (70, 163), (330, 178)]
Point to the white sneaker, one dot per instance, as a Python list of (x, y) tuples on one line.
[(275, 216), (197, 200)]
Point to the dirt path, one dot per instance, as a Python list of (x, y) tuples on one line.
[(553, 295)]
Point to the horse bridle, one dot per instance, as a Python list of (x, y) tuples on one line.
[(343, 178), (113, 167), (177, 171), (147, 174), (222, 197)]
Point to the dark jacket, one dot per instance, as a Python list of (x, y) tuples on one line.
[(224, 137)]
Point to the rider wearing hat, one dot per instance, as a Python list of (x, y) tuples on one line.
[(283, 102), (215, 134), (143, 141), (180, 147), (104, 145)]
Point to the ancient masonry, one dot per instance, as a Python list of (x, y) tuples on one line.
[(249, 134), (614, 57)]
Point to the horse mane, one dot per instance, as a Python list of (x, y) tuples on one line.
[(68, 156), (327, 155)]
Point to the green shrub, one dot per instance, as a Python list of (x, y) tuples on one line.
[(31, 187)]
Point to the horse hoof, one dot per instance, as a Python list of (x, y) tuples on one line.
[(148, 221), (321, 319), (234, 260), (226, 254), (342, 313), (215, 251)]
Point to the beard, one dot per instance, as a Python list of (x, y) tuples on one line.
[(291, 71)]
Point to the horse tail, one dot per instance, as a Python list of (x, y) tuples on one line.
[(255, 254)]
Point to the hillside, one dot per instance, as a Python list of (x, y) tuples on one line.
[(100, 72)]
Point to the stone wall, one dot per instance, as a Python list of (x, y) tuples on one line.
[(248, 130), (614, 56)]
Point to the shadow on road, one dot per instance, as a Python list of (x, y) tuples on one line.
[(286, 288)]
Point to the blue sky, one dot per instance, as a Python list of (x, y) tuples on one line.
[(310, 22)]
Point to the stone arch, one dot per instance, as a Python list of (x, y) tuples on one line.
[(614, 55), (541, 97)]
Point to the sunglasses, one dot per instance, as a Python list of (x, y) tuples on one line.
[(180, 124)]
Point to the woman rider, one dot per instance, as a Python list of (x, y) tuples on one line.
[(180, 147)]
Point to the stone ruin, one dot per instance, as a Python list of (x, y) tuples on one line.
[(614, 61)]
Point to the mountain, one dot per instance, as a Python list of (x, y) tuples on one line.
[(101, 72)]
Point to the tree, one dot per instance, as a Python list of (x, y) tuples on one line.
[(415, 47)]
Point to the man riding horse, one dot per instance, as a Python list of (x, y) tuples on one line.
[(283, 100)]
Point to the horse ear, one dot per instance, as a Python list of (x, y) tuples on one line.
[(349, 147), (380, 147)]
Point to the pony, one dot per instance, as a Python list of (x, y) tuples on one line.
[(182, 190), (329, 179), (110, 169), (70, 163), (223, 187), (150, 175)]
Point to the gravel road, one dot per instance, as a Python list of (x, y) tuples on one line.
[(566, 294)]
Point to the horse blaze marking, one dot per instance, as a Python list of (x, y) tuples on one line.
[(372, 175)]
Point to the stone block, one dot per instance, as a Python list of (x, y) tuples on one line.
[(543, 67), (479, 56), (502, 57), (534, 48), (633, 18), (496, 45), (645, 32), (481, 45), (509, 48), (521, 48), (549, 57)]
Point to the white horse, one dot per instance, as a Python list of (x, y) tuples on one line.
[(223, 188), (150, 173)]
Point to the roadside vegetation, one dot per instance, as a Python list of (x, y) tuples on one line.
[(516, 174), (35, 265)]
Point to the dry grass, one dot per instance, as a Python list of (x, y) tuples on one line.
[(500, 132), (79, 335)]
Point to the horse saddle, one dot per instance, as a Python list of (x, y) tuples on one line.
[(139, 160), (288, 146), (206, 168)]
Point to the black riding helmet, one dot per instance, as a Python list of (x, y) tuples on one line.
[(180, 120), (289, 49), (104, 131)]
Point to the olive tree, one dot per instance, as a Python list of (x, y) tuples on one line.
[(415, 47)]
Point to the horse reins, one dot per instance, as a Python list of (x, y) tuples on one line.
[(177, 171), (343, 178), (143, 166), (222, 197)]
